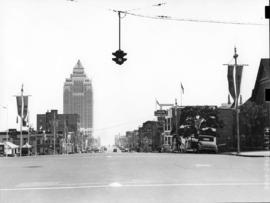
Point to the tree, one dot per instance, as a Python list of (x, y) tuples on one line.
[(252, 123), (199, 119)]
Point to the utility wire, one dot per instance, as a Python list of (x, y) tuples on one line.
[(116, 125), (154, 5), (165, 17)]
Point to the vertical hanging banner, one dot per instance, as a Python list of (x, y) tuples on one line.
[(238, 78), (25, 107), (231, 81)]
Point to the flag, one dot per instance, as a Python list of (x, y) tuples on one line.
[(238, 78), (182, 88), (231, 81), (25, 107), (157, 102)]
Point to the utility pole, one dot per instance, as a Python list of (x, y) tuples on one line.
[(235, 56), (176, 120), (236, 106), (237, 93), (21, 123), (54, 133), (267, 16)]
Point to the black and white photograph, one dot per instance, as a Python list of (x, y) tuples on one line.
[(115, 101)]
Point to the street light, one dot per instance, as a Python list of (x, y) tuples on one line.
[(6, 108)]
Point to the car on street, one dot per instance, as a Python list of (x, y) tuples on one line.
[(207, 143)]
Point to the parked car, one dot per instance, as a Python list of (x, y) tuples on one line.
[(114, 150), (207, 143), (2, 149), (124, 150)]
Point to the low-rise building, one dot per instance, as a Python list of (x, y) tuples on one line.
[(150, 136)]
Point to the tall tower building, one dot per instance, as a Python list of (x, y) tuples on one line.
[(78, 97)]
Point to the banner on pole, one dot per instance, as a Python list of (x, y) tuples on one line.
[(231, 81), (182, 88), (25, 107), (238, 78)]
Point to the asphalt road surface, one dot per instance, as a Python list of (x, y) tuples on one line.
[(135, 177)]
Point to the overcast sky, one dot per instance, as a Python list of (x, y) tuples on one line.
[(41, 41)]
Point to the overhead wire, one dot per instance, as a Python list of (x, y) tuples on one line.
[(171, 18), (165, 17), (117, 125)]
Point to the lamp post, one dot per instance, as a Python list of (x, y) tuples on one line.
[(6, 108)]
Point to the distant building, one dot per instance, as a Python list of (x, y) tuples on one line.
[(63, 122), (150, 136), (78, 98), (65, 128), (43, 142)]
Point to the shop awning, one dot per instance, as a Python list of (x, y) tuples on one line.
[(27, 146), (11, 145)]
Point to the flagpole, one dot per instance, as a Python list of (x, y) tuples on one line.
[(182, 89), (237, 93), (236, 105), (181, 96)]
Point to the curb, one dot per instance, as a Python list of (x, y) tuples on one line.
[(246, 155)]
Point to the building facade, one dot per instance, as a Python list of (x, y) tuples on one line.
[(78, 98), (63, 122), (64, 128)]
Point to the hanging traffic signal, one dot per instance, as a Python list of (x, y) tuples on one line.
[(119, 57), (119, 54), (267, 12)]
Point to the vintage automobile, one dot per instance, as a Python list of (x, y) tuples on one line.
[(207, 143)]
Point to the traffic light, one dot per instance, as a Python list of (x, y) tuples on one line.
[(119, 57), (267, 12)]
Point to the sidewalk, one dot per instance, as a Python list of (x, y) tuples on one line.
[(252, 154)]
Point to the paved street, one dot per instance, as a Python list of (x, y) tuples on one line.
[(134, 177)]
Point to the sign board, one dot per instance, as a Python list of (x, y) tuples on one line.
[(267, 95), (161, 113)]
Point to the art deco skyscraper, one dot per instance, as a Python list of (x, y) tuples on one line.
[(78, 97)]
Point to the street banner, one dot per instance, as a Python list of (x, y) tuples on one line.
[(231, 81), (182, 88), (25, 107), (157, 102), (238, 78)]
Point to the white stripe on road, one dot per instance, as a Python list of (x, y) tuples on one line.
[(202, 165), (115, 184), (134, 185)]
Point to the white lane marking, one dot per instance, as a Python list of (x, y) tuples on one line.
[(135, 185), (36, 184), (203, 165), (115, 184)]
